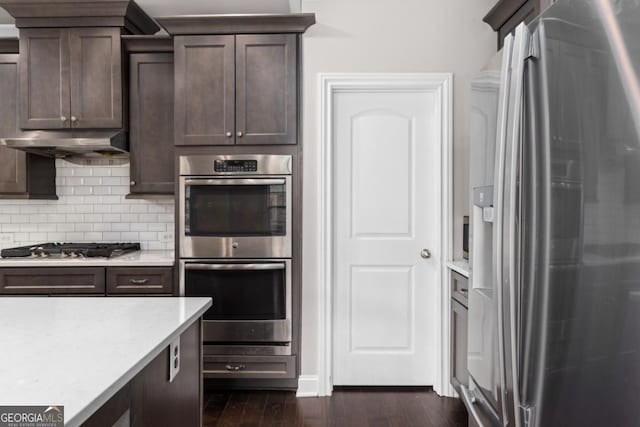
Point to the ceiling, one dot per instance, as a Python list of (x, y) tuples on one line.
[(192, 7)]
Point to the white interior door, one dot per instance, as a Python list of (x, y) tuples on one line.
[(387, 151)]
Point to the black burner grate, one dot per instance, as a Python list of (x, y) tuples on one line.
[(87, 250)]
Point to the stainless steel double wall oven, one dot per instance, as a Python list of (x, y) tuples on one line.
[(235, 216)]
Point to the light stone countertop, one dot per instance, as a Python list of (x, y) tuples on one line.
[(132, 259), (78, 352), (460, 266)]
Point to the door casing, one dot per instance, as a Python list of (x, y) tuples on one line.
[(441, 85)]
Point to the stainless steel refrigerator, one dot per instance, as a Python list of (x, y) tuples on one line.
[(554, 298)]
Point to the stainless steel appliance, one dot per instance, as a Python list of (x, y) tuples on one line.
[(235, 206), (71, 250), (235, 246), (554, 298), (251, 312), (82, 143)]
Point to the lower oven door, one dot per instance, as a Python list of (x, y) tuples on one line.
[(251, 299)]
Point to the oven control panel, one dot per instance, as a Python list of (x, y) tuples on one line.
[(235, 166)]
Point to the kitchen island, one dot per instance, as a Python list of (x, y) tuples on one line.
[(106, 360)]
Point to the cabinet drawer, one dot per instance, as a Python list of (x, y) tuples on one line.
[(140, 280), (51, 281), (459, 288), (249, 366)]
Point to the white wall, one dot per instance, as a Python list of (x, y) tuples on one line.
[(385, 36), (91, 208)]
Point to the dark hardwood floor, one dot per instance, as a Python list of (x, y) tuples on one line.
[(347, 407)]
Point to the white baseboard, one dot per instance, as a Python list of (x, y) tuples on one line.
[(308, 386)]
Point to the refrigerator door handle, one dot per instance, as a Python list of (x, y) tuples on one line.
[(534, 197), (511, 229), (499, 213)]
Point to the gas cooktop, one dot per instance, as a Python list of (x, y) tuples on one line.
[(73, 250)]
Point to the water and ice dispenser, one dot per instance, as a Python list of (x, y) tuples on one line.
[(481, 239)]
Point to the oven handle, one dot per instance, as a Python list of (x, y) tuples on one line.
[(232, 181), (270, 266)]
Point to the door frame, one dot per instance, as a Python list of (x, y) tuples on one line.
[(441, 85)]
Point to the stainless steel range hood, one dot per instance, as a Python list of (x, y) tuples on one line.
[(62, 144)]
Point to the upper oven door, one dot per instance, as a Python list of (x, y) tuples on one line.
[(225, 217)]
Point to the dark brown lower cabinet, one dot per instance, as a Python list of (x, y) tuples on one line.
[(115, 412), (52, 281), (139, 280), (151, 400), (96, 281)]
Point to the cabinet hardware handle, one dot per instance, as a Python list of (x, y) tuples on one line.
[(239, 134), (74, 119), (464, 291), (132, 183), (229, 134), (63, 118), (139, 281), (234, 368)]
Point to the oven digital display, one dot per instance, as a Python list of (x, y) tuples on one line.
[(235, 166)]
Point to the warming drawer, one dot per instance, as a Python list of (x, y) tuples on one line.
[(265, 367)]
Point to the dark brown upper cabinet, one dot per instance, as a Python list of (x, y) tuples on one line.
[(236, 77), (151, 123), (21, 175), (45, 101), (236, 89), (506, 15), (266, 89), (70, 78), (204, 90)]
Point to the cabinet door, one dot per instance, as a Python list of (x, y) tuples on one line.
[(96, 78), (44, 78), (151, 123), (13, 171), (205, 90), (459, 319), (266, 89), (156, 401)]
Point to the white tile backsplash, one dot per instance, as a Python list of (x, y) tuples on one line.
[(91, 208)]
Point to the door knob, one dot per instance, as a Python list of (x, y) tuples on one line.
[(425, 253)]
